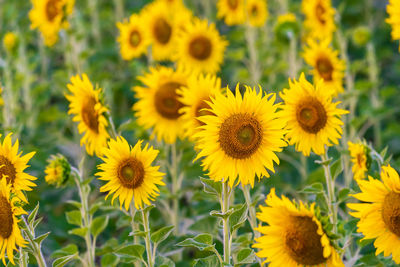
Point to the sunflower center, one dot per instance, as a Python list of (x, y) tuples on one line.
[(162, 31), (200, 110), (52, 9), (135, 38), (233, 4), (360, 159), (325, 68), (311, 116), (7, 169), (200, 48), (303, 241), (131, 173), (391, 212), (6, 218), (89, 114), (254, 11), (240, 135), (320, 12), (166, 100)]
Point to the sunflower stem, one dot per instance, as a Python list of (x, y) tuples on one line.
[(224, 209), (330, 183), (175, 189), (254, 65), (37, 251), (145, 216), (132, 212)]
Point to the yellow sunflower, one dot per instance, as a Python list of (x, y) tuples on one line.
[(9, 41), (241, 137), (133, 38), (379, 212), (359, 158), (158, 105), (232, 11), (10, 234), (194, 97), (200, 47), (12, 166), (89, 111), (393, 9), (326, 64), (129, 173), (294, 236), (50, 16), (313, 120), (257, 12), (319, 21), (160, 22)]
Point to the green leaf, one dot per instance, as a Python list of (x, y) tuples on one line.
[(336, 168), (98, 225), (315, 188), (211, 261), (138, 233), (245, 256), (161, 234), (109, 260), (33, 214), (238, 217), (79, 231), (211, 187), (201, 242), (64, 260), (74, 217), (223, 215), (74, 203), (40, 238), (68, 250), (131, 251), (343, 195), (95, 207), (164, 262)]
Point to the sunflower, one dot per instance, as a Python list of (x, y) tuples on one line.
[(200, 47), (57, 171), (241, 136), (133, 38), (49, 16), (393, 9), (326, 64), (10, 234), (158, 106), (129, 173), (12, 166), (86, 105), (10, 41), (319, 20), (294, 236), (232, 11), (256, 11), (194, 97), (160, 22), (313, 120), (379, 211), (359, 158)]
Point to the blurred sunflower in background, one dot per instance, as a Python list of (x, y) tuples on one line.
[(294, 235), (327, 65), (129, 173), (379, 212), (200, 47), (256, 12), (57, 171), (158, 105), (232, 11), (195, 97), (313, 120), (393, 9), (10, 41), (133, 38), (50, 16), (319, 21), (359, 158), (10, 233), (87, 106), (1, 98), (239, 140), (12, 166)]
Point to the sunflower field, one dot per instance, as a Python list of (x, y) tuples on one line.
[(165, 133)]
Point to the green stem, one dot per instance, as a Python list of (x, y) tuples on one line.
[(330, 183), (224, 210), (95, 22), (293, 56), (145, 216), (37, 252), (254, 65), (175, 189), (132, 212)]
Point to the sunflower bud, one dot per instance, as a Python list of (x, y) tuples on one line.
[(58, 170), (10, 40), (361, 36), (286, 27)]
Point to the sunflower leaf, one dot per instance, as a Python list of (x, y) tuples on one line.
[(40, 238), (201, 242), (33, 214), (210, 261), (245, 256), (211, 187), (238, 217), (161, 234), (74, 217), (64, 260), (98, 225), (131, 251), (336, 168), (79, 231)]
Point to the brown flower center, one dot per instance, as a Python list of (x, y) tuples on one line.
[(7, 169), (254, 11), (200, 110), (391, 212), (233, 4), (89, 114), (311, 115), (240, 135), (360, 159), (166, 100), (200, 48), (320, 12), (162, 31), (135, 38), (325, 68), (6, 218), (52, 9), (131, 173), (303, 241)]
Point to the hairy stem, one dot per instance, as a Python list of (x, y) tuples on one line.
[(37, 251), (330, 183), (224, 209), (145, 216)]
